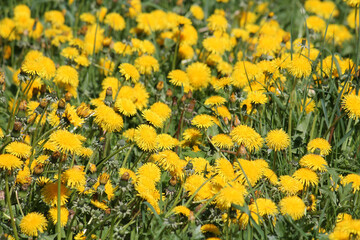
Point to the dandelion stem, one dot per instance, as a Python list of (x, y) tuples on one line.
[(58, 225), (9, 205)]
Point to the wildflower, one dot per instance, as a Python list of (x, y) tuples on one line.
[(231, 194), (82, 60), (222, 111), (66, 141), (249, 172), (129, 134), (277, 140), (69, 52), (93, 39), (290, 185), (146, 64), (64, 215), (153, 118), (88, 18), (182, 210), (314, 162), (19, 149), (215, 100), (33, 223), (54, 17), (199, 75), (292, 206), (129, 72), (257, 97), (202, 121), (23, 176), (141, 96), (145, 137), (306, 176), (191, 134), (115, 21), (315, 23), (222, 141), (166, 142), (354, 179), (309, 105), (109, 190), (66, 75), (266, 207), (9, 162), (351, 104), (108, 119), (75, 177), (210, 228), (271, 176), (217, 22), (130, 173), (178, 78), (193, 183), (300, 67), (125, 106), (100, 205), (161, 109), (247, 136), (319, 144), (50, 194), (197, 12)]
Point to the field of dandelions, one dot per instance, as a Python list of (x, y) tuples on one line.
[(214, 119)]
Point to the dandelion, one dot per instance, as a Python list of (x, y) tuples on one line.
[(314, 162), (231, 194), (178, 78), (222, 141), (146, 64), (319, 144), (210, 228), (33, 223), (10, 162), (277, 140), (300, 67), (50, 193), (217, 22), (182, 210), (166, 142), (354, 179), (197, 12), (215, 100), (145, 137), (292, 206), (249, 172), (129, 72), (100, 205), (202, 121), (290, 185), (153, 118), (199, 75), (247, 136), (108, 119), (19, 149), (65, 141), (257, 97), (351, 104), (225, 170), (161, 109), (75, 177), (125, 106), (115, 21), (64, 215), (266, 207), (193, 183), (306, 176), (70, 53)]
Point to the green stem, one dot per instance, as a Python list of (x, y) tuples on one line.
[(9, 205), (58, 225), (113, 154), (127, 156)]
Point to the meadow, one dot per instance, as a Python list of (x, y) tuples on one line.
[(214, 119)]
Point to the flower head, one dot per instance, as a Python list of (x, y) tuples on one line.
[(19, 149), (319, 144), (145, 137), (277, 140), (351, 104), (66, 141), (33, 223), (292, 206), (247, 136), (64, 215), (9, 162), (314, 162), (129, 72)]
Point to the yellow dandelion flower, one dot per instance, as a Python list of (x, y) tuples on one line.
[(161, 109), (64, 215), (193, 183), (247, 136), (210, 228), (182, 210), (354, 179), (24, 176), (153, 118), (19, 149), (82, 60), (290, 185), (9, 162), (166, 142), (75, 177), (108, 119), (115, 21), (306, 176), (257, 97), (222, 141), (129, 72), (250, 171), (71, 115), (199, 75), (100, 205), (197, 12), (125, 106), (277, 140), (141, 96), (109, 190), (320, 144), (66, 75), (217, 22), (314, 162), (69, 52), (231, 194), (33, 223), (129, 134), (266, 207), (215, 100), (149, 171), (191, 134), (292, 206), (50, 194), (146, 64), (88, 18), (315, 23), (203, 121), (41, 181), (145, 137), (351, 104), (131, 174), (178, 78), (66, 141)]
